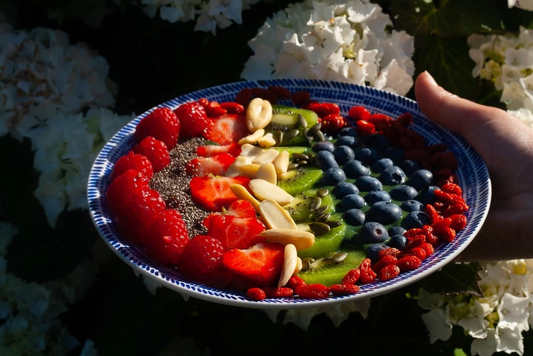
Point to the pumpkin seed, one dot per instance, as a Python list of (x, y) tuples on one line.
[(334, 223), (300, 156), (315, 203), (278, 136), (314, 129), (292, 133), (339, 257), (302, 121), (319, 228), (322, 192), (321, 210), (293, 165), (319, 136), (323, 217)]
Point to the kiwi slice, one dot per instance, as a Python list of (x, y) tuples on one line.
[(299, 179), (326, 243), (293, 149), (291, 122), (298, 208), (327, 270)]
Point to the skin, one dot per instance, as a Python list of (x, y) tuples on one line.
[(506, 146)]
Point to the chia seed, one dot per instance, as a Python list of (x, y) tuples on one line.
[(173, 184)]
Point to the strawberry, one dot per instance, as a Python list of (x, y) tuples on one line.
[(133, 161), (227, 129), (215, 165), (213, 193), (235, 232), (201, 258), (155, 150), (193, 117), (233, 149), (332, 123), (168, 236), (162, 123), (240, 208), (261, 264)]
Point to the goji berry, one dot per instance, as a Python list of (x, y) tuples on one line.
[(415, 241), (413, 232), (301, 97), (344, 289), (405, 119), (281, 92), (457, 208), (367, 275), (203, 101), (384, 261), (447, 235), (438, 161), (244, 96), (428, 248), (358, 113), (430, 237), (452, 188), (458, 222), (433, 214), (388, 251), (325, 109), (418, 252), (440, 226), (264, 94), (408, 263), (389, 272), (295, 281), (216, 112), (448, 198), (379, 119), (406, 144), (256, 294), (273, 292), (451, 160), (312, 291), (233, 107), (438, 147), (352, 276), (365, 128)]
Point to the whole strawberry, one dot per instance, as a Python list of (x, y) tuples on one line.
[(193, 117), (163, 124), (201, 258), (133, 161), (168, 237), (155, 150)]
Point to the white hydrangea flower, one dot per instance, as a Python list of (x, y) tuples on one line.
[(333, 40), (521, 4), (523, 115), (506, 61), (496, 320)]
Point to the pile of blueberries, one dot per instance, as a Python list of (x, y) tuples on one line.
[(388, 194)]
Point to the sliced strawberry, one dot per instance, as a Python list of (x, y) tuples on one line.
[(215, 165), (214, 193), (233, 149), (234, 232), (261, 264), (227, 129), (240, 208)]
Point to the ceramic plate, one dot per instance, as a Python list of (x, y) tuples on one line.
[(472, 173)]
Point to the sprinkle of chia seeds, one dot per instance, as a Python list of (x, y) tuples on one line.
[(172, 183)]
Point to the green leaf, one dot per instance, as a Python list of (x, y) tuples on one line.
[(448, 62), (451, 18), (454, 278)]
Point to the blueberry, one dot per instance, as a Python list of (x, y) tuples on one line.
[(324, 146), (372, 251), (349, 141), (352, 201), (343, 189), (373, 232), (333, 176), (368, 184), (354, 217), (416, 219), (343, 154), (393, 153), (381, 164), (392, 176), (403, 192), (420, 179), (355, 169), (397, 241), (377, 141), (347, 131), (367, 155), (325, 160), (411, 205), (384, 212), (409, 167), (377, 196), (396, 230), (427, 196)]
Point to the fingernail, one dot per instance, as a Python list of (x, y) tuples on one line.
[(430, 78)]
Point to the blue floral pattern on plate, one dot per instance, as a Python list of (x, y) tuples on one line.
[(472, 173)]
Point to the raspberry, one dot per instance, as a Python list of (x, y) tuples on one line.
[(201, 257), (156, 151), (389, 272), (344, 289), (256, 294), (168, 236), (162, 123), (333, 123), (133, 161), (312, 291), (281, 92), (301, 97), (244, 96), (264, 94), (194, 119)]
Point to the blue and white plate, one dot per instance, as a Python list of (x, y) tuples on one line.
[(472, 173)]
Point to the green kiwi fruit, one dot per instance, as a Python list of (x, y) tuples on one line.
[(293, 149), (299, 179), (298, 208), (292, 122), (327, 270), (325, 243)]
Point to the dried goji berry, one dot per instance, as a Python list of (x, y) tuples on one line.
[(352, 276), (388, 251), (365, 128), (433, 214), (256, 294), (384, 261), (417, 251), (367, 275), (428, 249), (457, 208), (440, 226), (438, 147), (325, 109), (452, 188), (379, 119), (295, 281), (312, 291), (264, 94), (244, 96), (273, 292), (413, 232), (458, 222), (203, 101), (415, 241), (408, 263), (448, 198), (281, 92), (447, 235), (344, 289), (358, 113), (216, 112), (233, 107), (301, 97), (405, 119), (430, 237), (389, 272)]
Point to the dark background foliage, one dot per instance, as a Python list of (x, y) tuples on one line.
[(152, 61)]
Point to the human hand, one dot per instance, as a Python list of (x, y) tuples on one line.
[(506, 145)]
